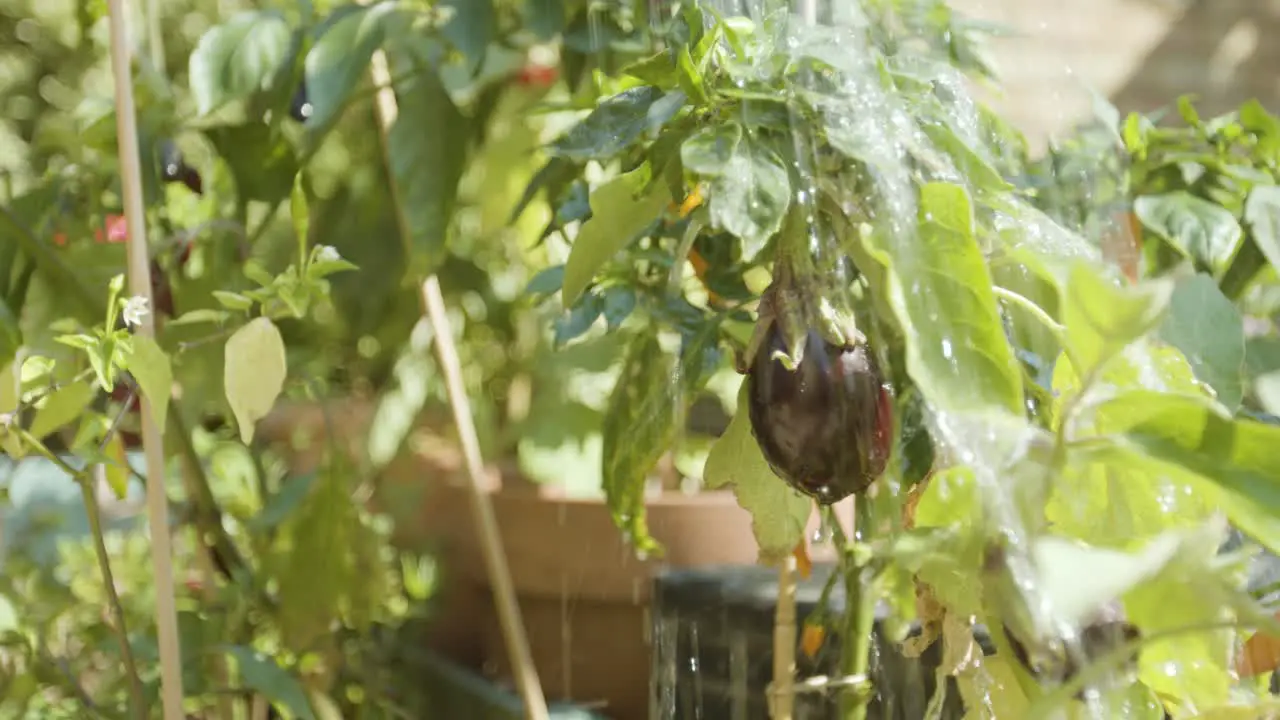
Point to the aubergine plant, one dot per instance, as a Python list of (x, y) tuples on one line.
[(1030, 450)]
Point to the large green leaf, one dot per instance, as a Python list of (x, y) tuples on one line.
[(618, 122), (1103, 317), (427, 151), (237, 58), (957, 352), (1197, 228), (639, 426), (1262, 213), (337, 61), (470, 29), (778, 513), (262, 162), (1209, 330), (618, 213), (1120, 504), (750, 194), (1190, 436)]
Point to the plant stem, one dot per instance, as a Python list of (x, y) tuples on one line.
[(860, 616), (87, 482), (782, 697)]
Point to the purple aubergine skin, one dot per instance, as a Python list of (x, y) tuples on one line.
[(824, 428)]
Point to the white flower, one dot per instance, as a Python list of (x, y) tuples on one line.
[(135, 308), (327, 253)]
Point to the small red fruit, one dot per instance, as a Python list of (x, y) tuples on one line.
[(825, 427), (539, 76)]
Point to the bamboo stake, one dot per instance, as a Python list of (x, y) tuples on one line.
[(782, 694), (152, 441), (521, 659)]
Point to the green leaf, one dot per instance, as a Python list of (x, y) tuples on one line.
[(689, 78), (263, 675), (237, 58), (10, 333), (1198, 229), (203, 315), (968, 162), (62, 406), (708, 152), (150, 366), (618, 214), (1118, 504), (580, 318), (1209, 330), (1262, 213), (471, 28), (750, 196), (618, 122), (545, 18), (254, 372), (427, 150), (657, 70), (232, 301), (339, 59), (940, 289), (1102, 317), (1077, 580), (778, 513), (639, 426), (1189, 436), (261, 161)]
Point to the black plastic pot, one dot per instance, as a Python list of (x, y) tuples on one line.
[(713, 652)]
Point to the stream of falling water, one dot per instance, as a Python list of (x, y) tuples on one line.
[(691, 671)]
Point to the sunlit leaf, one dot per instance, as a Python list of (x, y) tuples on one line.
[(150, 366), (778, 513), (940, 289), (1103, 317), (618, 214), (62, 406), (254, 373), (116, 467), (237, 58)]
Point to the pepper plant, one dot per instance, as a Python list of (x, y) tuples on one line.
[(1193, 198), (1028, 452)]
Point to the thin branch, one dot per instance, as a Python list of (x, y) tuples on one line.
[(87, 482)]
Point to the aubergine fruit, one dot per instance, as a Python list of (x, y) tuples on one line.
[(300, 104), (825, 427), (174, 168)]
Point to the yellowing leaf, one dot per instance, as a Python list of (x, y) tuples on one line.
[(617, 215), (117, 466), (61, 407), (778, 513), (254, 373), (149, 365)]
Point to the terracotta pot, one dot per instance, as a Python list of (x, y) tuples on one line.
[(584, 595)]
